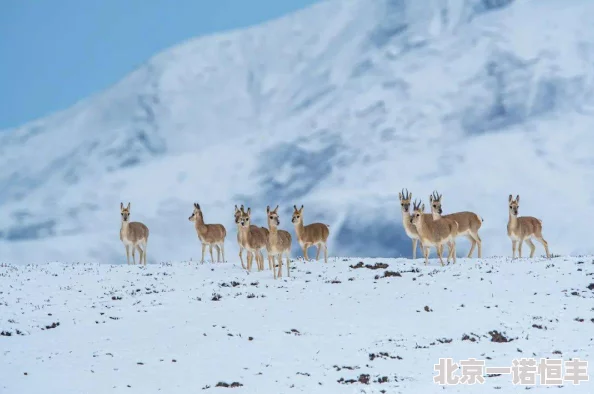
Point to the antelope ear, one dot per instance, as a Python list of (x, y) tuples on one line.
[(276, 209), (249, 211), (267, 208), (121, 205), (518, 198), (400, 196), (128, 206), (295, 207), (430, 199), (301, 209), (236, 208), (423, 207), (410, 196), (510, 198)]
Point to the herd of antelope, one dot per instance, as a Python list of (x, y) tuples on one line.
[(425, 229)]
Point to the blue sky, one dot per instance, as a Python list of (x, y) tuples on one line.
[(54, 53)]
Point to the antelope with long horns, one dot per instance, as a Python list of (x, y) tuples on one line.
[(405, 199), (469, 223), (435, 233)]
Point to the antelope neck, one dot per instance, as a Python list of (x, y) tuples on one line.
[(513, 220), (299, 227), (199, 224), (406, 219), (420, 224)]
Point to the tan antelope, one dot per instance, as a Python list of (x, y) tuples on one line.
[(312, 234), (279, 242), (469, 223), (253, 239), (239, 241), (523, 228), (435, 233), (409, 228), (133, 234), (209, 234)]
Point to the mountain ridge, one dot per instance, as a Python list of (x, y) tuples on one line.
[(319, 108)]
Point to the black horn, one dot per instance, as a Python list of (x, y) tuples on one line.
[(405, 194)]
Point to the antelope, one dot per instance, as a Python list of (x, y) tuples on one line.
[(279, 243), (209, 234), (253, 239), (312, 234), (239, 241), (523, 228), (410, 229), (469, 223), (435, 233), (133, 234)]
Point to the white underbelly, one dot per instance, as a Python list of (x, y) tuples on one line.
[(275, 251), (514, 237), (435, 243), (205, 242), (463, 233)]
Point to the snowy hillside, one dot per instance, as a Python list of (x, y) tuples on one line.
[(337, 107), (329, 328)]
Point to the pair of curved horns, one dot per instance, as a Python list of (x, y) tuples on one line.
[(405, 195)]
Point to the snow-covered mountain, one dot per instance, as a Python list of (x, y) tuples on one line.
[(336, 107)]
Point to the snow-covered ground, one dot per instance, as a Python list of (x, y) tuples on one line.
[(182, 327)]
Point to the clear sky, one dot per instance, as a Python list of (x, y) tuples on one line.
[(54, 53)]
